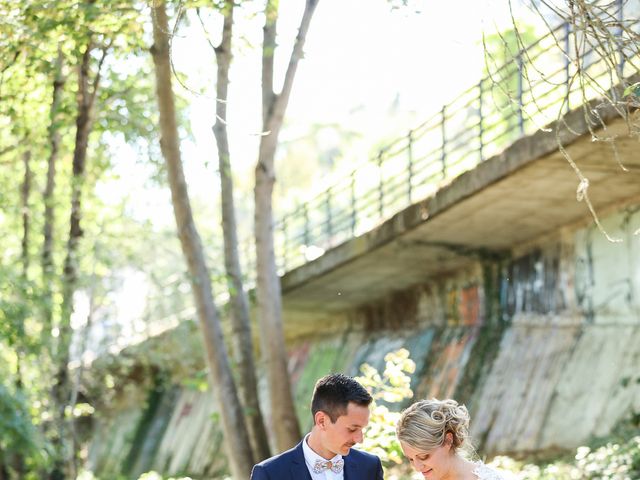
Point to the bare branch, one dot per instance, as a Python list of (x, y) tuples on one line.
[(281, 101), (602, 51), (204, 29), (97, 78), (268, 52), (6, 150)]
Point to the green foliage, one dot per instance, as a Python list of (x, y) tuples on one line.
[(17, 296), (392, 387), (633, 89), (198, 382), (632, 94), (613, 461), (114, 246), (155, 476), (17, 432), (152, 475), (501, 103)]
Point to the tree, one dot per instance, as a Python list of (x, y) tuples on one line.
[(269, 295), (284, 421), (87, 91), (71, 34), (242, 340), (25, 67), (54, 138), (237, 440)]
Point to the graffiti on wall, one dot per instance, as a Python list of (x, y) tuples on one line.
[(530, 284)]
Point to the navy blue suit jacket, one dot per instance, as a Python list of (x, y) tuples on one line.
[(290, 465)]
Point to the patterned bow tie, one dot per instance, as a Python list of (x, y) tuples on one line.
[(335, 467)]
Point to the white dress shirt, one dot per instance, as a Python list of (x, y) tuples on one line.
[(310, 458)]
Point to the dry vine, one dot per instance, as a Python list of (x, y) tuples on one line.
[(602, 33)]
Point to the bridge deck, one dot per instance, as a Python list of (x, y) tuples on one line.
[(509, 200)]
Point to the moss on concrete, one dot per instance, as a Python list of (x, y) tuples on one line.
[(154, 398), (486, 346)]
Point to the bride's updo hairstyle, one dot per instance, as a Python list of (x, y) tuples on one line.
[(425, 424)]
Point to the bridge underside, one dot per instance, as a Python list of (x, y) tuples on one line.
[(511, 199)]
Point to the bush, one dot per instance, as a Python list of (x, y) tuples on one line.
[(392, 387), (612, 461), (18, 436)]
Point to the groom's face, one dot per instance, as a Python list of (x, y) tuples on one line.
[(347, 430)]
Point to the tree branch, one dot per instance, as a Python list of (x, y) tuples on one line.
[(96, 80), (280, 101), (268, 52), (6, 150)]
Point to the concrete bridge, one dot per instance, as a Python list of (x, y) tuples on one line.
[(478, 180), (493, 211), (469, 249)]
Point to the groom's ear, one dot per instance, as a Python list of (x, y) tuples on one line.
[(320, 419)]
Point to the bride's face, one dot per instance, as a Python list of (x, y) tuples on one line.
[(433, 464)]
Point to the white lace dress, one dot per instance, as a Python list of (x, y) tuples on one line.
[(487, 473)]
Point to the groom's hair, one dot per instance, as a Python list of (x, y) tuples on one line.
[(333, 393)]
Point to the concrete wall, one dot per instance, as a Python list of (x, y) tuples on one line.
[(543, 345), (569, 364)]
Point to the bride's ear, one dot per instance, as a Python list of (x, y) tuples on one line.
[(448, 439)]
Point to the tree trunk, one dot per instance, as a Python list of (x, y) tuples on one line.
[(18, 461), (75, 386), (285, 422), (49, 218), (235, 432), (26, 214), (240, 321), (4, 471), (61, 389)]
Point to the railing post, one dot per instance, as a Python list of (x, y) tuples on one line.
[(285, 243), (480, 121), (305, 214), (353, 204), (380, 186), (567, 63), (329, 226), (443, 156), (245, 262), (409, 165), (520, 92)]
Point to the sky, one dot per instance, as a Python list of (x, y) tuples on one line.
[(361, 57)]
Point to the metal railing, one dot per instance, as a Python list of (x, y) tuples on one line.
[(513, 101)]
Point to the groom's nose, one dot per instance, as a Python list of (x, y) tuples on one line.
[(358, 437)]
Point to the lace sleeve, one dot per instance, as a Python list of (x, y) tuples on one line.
[(487, 473)]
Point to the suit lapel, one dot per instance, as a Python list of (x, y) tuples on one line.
[(350, 469), (299, 470)]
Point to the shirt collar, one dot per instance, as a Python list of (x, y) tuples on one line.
[(310, 456)]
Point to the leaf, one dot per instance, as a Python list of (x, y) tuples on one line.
[(633, 89)]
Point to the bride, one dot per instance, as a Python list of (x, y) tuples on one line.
[(434, 437)]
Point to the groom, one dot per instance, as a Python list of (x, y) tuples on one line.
[(340, 408)]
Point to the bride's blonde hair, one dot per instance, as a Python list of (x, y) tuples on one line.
[(425, 424)]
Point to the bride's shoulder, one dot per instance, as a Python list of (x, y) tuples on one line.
[(484, 472)]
